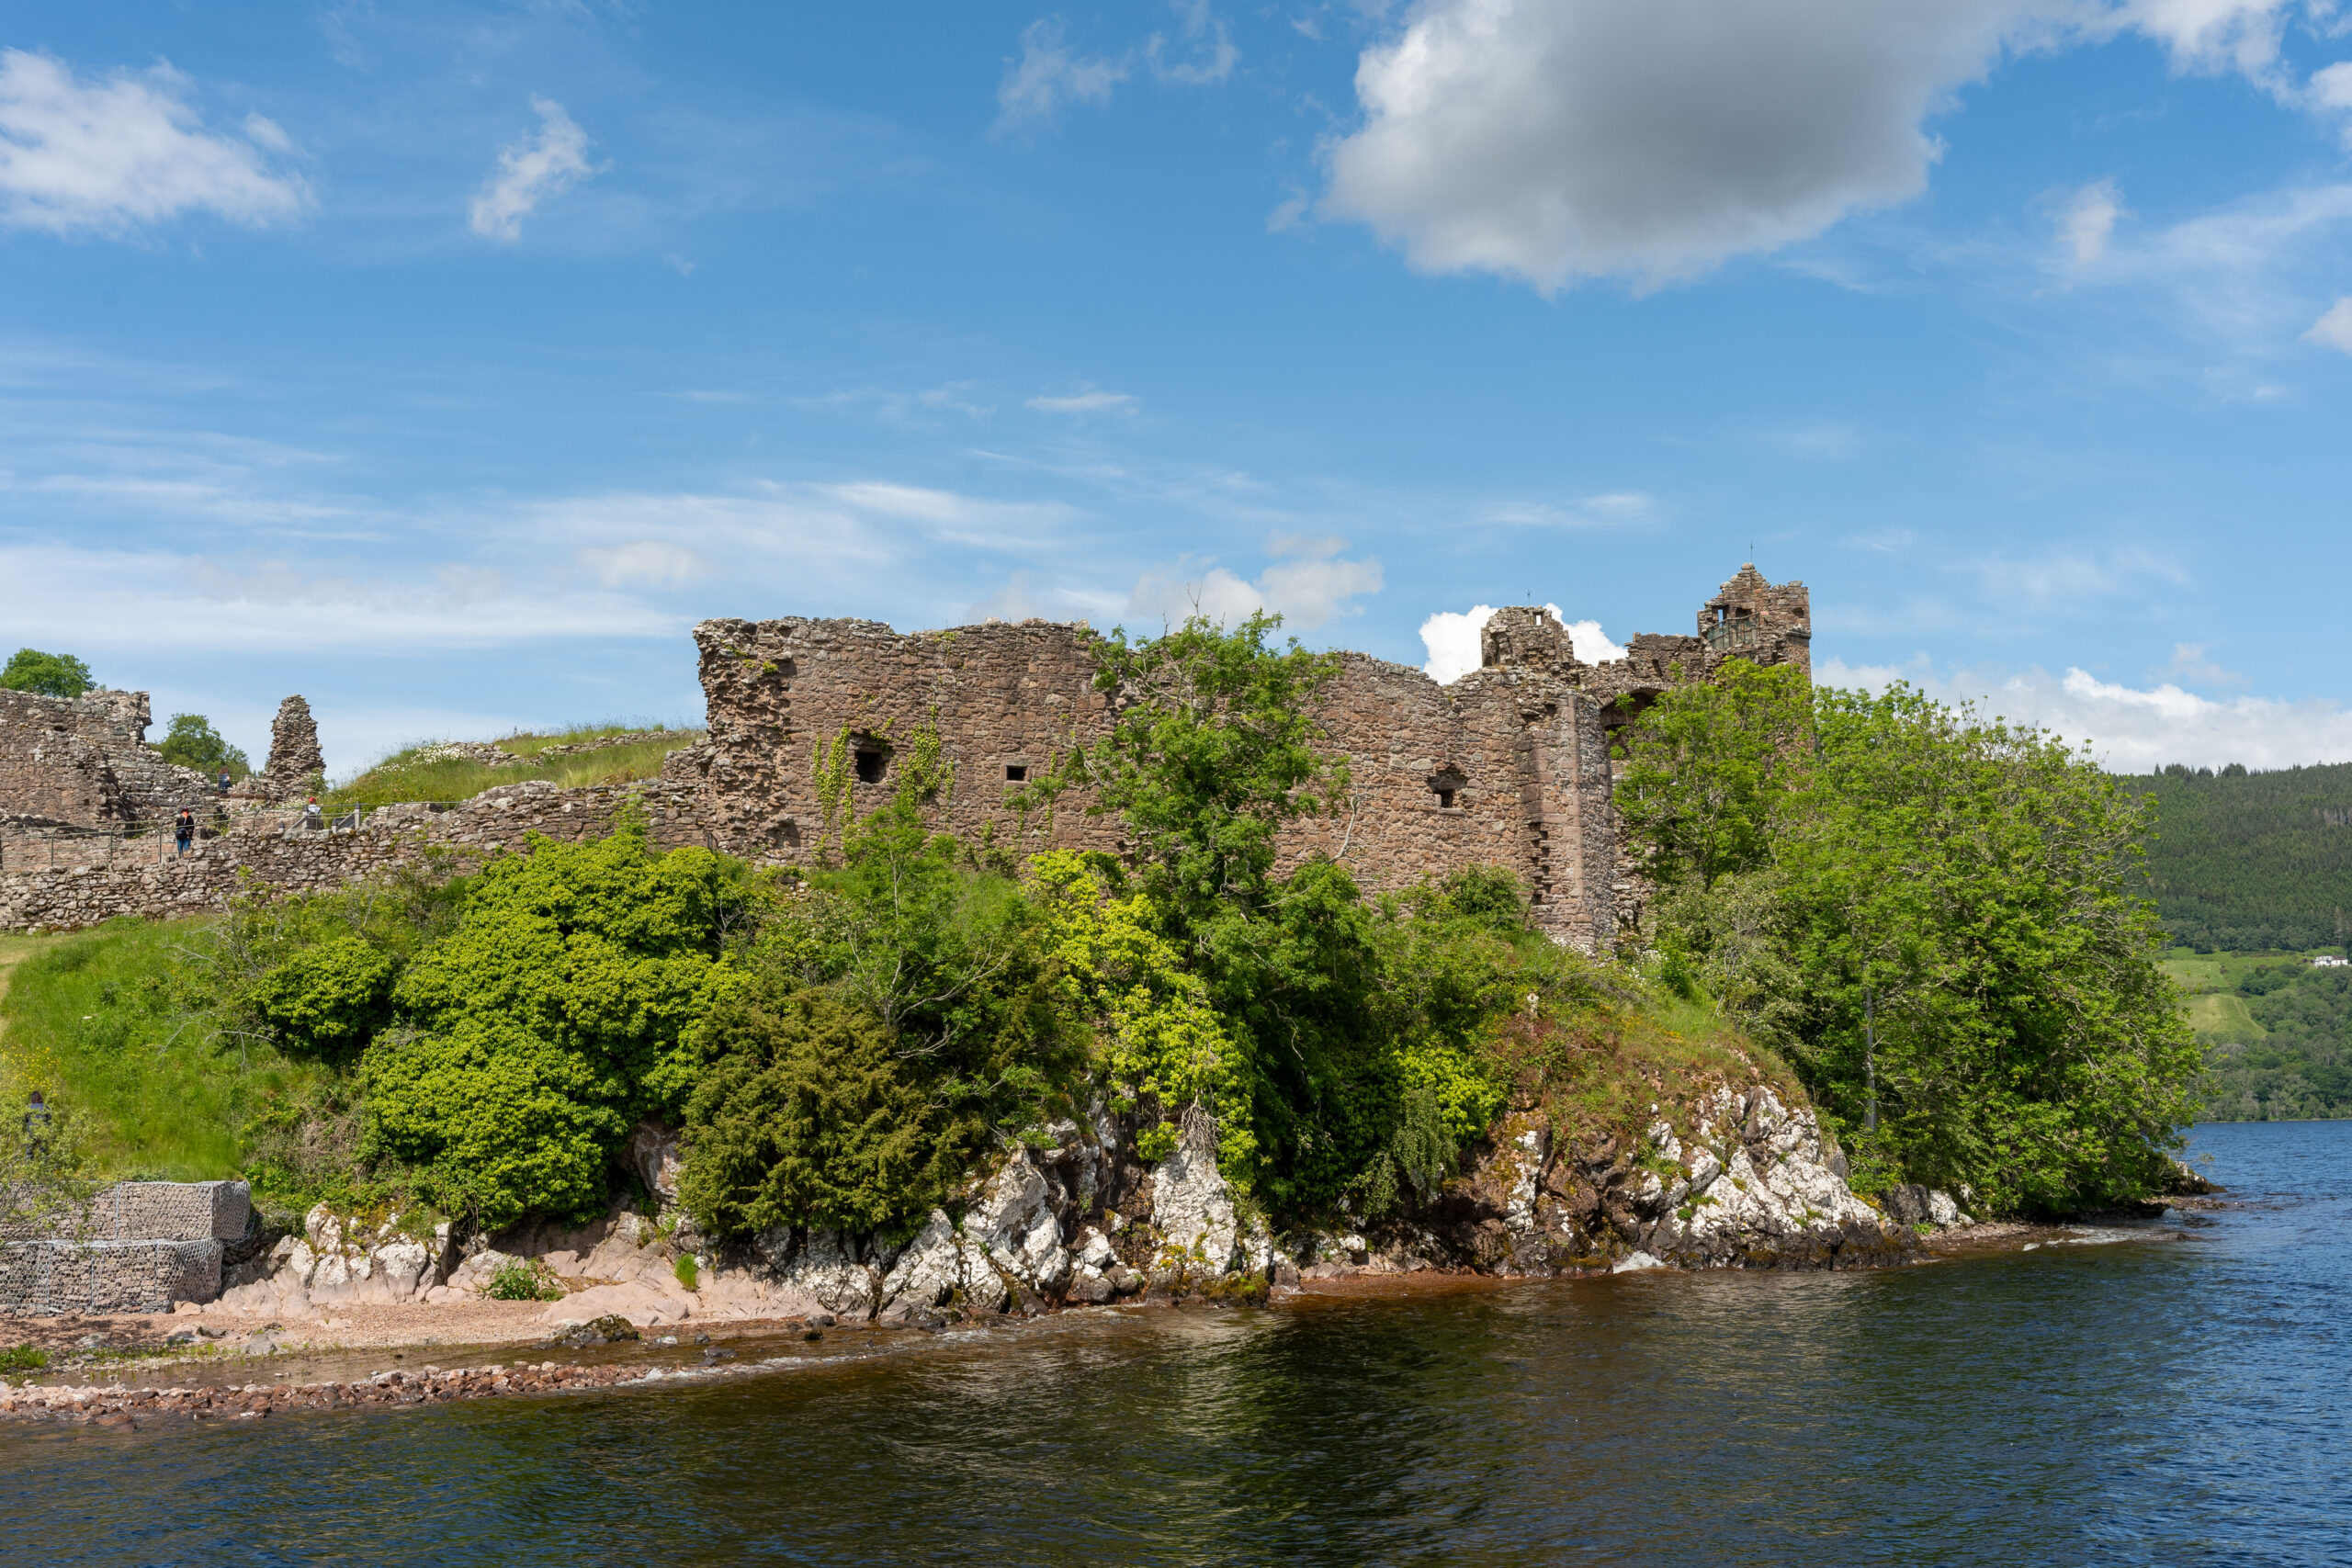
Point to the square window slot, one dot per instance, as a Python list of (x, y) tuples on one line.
[(1016, 773)]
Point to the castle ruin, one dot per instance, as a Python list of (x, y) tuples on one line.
[(1509, 765)]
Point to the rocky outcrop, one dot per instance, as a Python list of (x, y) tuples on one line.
[(1921, 1208), (341, 1260), (1748, 1183)]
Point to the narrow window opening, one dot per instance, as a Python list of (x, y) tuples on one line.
[(1016, 773), (1447, 786), (1445, 799), (869, 767)]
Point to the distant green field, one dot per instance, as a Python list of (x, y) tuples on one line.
[(2278, 1033)]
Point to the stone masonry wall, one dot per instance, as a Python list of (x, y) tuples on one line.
[(86, 759), (1507, 766), (94, 879)]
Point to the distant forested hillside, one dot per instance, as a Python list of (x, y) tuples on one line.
[(2249, 862)]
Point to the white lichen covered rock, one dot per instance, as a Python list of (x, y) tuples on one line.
[(1757, 1183), (1193, 1206)]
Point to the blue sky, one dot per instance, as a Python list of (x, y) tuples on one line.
[(446, 363)]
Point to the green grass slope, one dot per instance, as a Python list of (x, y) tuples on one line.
[(2277, 1035), (426, 771), (92, 1019)]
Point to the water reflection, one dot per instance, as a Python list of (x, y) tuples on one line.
[(2157, 1401)]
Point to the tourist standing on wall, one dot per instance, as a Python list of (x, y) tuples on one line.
[(183, 830), (224, 779), (310, 817)]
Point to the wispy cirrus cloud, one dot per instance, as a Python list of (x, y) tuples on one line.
[(532, 169), (1091, 399)]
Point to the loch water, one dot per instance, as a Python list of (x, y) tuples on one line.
[(2180, 1395)]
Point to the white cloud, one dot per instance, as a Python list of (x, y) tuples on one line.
[(2207, 35), (1309, 588), (1049, 74), (1453, 641), (2188, 663), (531, 169), (1554, 139), (2132, 729), (2086, 218), (1559, 140), (2331, 90), (2334, 330), (1091, 400), (108, 157), (651, 562)]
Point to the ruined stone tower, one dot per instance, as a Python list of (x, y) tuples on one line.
[(294, 755)]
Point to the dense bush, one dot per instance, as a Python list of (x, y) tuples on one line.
[(327, 1000), (901, 1009), (564, 1007)]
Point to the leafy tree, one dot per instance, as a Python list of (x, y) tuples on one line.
[(51, 674), (1936, 918), (192, 742), (1265, 999)]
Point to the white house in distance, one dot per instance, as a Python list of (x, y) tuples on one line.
[(2329, 961)]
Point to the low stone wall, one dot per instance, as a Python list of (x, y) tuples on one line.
[(46, 1278), (54, 885), (135, 1247)]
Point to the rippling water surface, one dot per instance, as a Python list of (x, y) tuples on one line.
[(2182, 1396)]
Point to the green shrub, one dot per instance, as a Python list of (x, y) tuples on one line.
[(523, 1279), (684, 1270), (807, 1116), (327, 1000), (23, 1359), (564, 1007)]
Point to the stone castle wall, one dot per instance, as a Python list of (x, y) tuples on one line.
[(57, 882), (1508, 766), (85, 760)]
